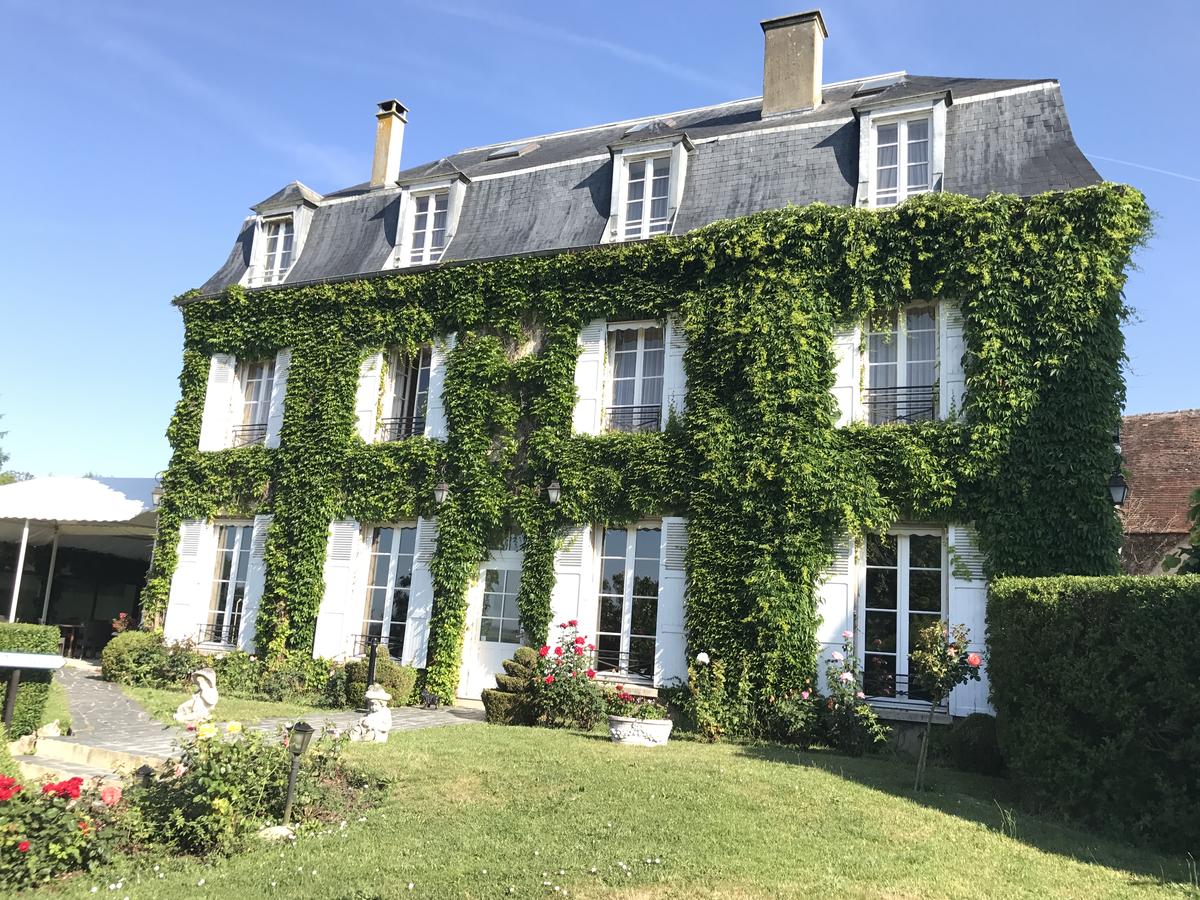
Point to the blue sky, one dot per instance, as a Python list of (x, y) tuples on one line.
[(137, 134)]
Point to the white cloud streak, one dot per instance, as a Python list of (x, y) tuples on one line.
[(1125, 162)]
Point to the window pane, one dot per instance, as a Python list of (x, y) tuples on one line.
[(647, 543), (377, 598), (614, 542), (879, 676), (641, 656), (512, 582), (645, 578), (881, 632), (408, 541), (625, 339), (624, 364), (925, 551), (623, 392), (608, 652), (510, 632), (881, 550), (489, 630), (612, 576), (881, 588), (645, 616), (925, 591), (493, 605), (610, 614), (887, 134), (652, 364)]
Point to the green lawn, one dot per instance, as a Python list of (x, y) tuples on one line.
[(162, 705), (472, 811), (56, 706)]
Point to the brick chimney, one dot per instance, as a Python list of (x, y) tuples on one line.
[(792, 62), (389, 139)]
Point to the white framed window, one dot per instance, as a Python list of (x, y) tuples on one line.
[(389, 587), (406, 397), (230, 571), (636, 355), (427, 233), (902, 376), (647, 196), (903, 590), (627, 621), (902, 159), (500, 622), (278, 252), (255, 381)]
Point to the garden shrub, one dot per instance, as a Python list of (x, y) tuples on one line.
[(225, 785), (565, 694), (796, 719), (715, 708), (1094, 683), (848, 723), (16, 637), (397, 680), (511, 701), (61, 827), (971, 745), (238, 673), (143, 659), (8, 765)]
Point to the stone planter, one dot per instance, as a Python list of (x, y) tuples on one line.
[(643, 732)]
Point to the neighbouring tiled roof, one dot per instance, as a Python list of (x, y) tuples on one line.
[(556, 195), (1162, 466)]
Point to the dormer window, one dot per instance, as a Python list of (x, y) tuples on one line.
[(901, 160), (427, 238), (647, 190), (280, 235)]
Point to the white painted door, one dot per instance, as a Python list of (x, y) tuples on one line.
[(493, 622)]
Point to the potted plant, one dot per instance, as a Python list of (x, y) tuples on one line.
[(636, 720)]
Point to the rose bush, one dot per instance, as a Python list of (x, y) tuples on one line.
[(939, 665), (565, 693), (849, 724), (619, 702), (49, 831)]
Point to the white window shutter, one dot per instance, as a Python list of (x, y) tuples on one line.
[(589, 377), (256, 577), (670, 642), (218, 398), (420, 596), (435, 411), (837, 595), (340, 614), (186, 605), (571, 597), (967, 605), (674, 373), (366, 400), (847, 374), (283, 362), (952, 347)]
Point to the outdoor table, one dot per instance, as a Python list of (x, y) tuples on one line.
[(16, 662)]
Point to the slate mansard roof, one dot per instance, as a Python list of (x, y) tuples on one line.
[(1008, 136)]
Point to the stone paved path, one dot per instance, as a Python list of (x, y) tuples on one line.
[(103, 716)]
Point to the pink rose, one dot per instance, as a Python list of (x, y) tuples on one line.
[(837, 656), (804, 695), (847, 676), (861, 696), (847, 634), (110, 795), (974, 660), (573, 622)]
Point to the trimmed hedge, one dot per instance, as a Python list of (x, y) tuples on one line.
[(1095, 682), (17, 637), (398, 680), (511, 701)]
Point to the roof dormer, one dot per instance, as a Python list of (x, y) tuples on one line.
[(901, 143), (280, 228), (649, 171), (430, 205)]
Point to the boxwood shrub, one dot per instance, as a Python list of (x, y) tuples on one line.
[(1095, 684), (16, 637), (399, 681)]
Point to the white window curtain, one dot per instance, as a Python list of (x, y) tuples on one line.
[(901, 160), (647, 193), (637, 356), (277, 259), (902, 366), (428, 237)]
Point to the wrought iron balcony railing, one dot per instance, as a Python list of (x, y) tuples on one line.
[(360, 644), (400, 428), (885, 687), (223, 632), (634, 666), (886, 406), (633, 418), (245, 435)]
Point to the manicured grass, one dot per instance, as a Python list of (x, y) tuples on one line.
[(162, 705), (56, 707), (474, 810)]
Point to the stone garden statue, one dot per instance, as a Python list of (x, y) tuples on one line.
[(376, 724), (198, 708)]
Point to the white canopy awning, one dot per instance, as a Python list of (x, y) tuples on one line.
[(114, 515)]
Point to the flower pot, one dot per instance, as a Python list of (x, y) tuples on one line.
[(643, 732)]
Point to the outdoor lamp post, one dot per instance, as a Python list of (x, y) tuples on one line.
[(299, 736), (554, 492), (1117, 488), (441, 492)]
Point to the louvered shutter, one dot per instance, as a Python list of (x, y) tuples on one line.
[(674, 374), (952, 383), (670, 643), (218, 399), (420, 598), (185, 602), (837, 595), (846, 375), (967, 605), (435, 411), (256, 577), (589, 378), (366, 399), (339, 616), (569, 599), (283, 362)]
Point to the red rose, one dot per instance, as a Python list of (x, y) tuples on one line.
[(974, 660), (573, 622), (23, 846), (591, 673), (544, 650), (579, 642), (579, 651), (549, 679), (83, 826), (592, 647), (558, 651)]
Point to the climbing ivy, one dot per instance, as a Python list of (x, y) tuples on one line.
[(766, 480)]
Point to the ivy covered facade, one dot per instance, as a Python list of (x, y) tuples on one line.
[(764, 422)]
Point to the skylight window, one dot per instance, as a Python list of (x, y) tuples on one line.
[(512, 151), (877, 84)]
